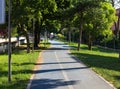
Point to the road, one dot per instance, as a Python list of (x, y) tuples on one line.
[(61, 70)]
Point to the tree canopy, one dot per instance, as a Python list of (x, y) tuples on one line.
[(91, 16)]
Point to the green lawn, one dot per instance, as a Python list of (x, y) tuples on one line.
[(22, 65), (104, 62)]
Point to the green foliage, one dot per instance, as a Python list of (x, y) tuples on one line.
[(52, 25), (101, 18), (98, 21), (60, 36), (63, 4), (95, 17)]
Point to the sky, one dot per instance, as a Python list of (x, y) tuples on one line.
[(117, 4)]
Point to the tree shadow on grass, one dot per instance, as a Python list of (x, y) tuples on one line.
[(117, 78), (106, 62), (95, 48), (21, 50), (50, 83), (19, 81), (16, 84), (5, 73)]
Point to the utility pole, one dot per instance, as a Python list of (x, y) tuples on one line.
[(9, 42)]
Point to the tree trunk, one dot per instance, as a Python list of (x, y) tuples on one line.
[(28, 43), (89, 42), (118, 23), (80, 30), (36, 34), (69, 33), (19, 33), (36, 39), (80, 39), (119, 43), (25, 32), (119, 32)]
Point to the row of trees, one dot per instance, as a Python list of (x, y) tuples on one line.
[(92, 18), (93, 22)]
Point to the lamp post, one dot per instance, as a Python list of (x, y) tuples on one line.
[(9, 42)]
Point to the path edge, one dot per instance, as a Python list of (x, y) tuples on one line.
[(78, 60), (39, 60)]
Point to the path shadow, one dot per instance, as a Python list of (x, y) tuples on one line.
[(50, 83), (57, 43), (64, 47), (56, 48), (55, 70), (55, 63), (50, 63)]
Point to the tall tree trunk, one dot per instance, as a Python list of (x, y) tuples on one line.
[(119, 34), (69, 35), (89, 42), (28, 43), (36, 34), (116, 29), (27, 37), (118, 23), (18, 32), (80, 30), (80, 39)]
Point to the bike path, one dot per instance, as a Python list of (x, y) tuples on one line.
[(61, 70)]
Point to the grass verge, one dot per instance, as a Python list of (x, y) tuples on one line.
[(22, 65), (104, 62)]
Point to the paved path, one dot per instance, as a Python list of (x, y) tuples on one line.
[(60, 70)]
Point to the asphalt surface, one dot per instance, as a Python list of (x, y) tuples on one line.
[(61, 70)]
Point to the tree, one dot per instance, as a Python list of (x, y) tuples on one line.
[(115, 4), (79, 9), (21, 18), (42, 11), (25, 11), (98, 22)]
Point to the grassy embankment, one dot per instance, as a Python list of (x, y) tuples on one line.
[(22, 65), (102, 61)]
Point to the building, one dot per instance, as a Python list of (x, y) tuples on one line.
[(116, 25)]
